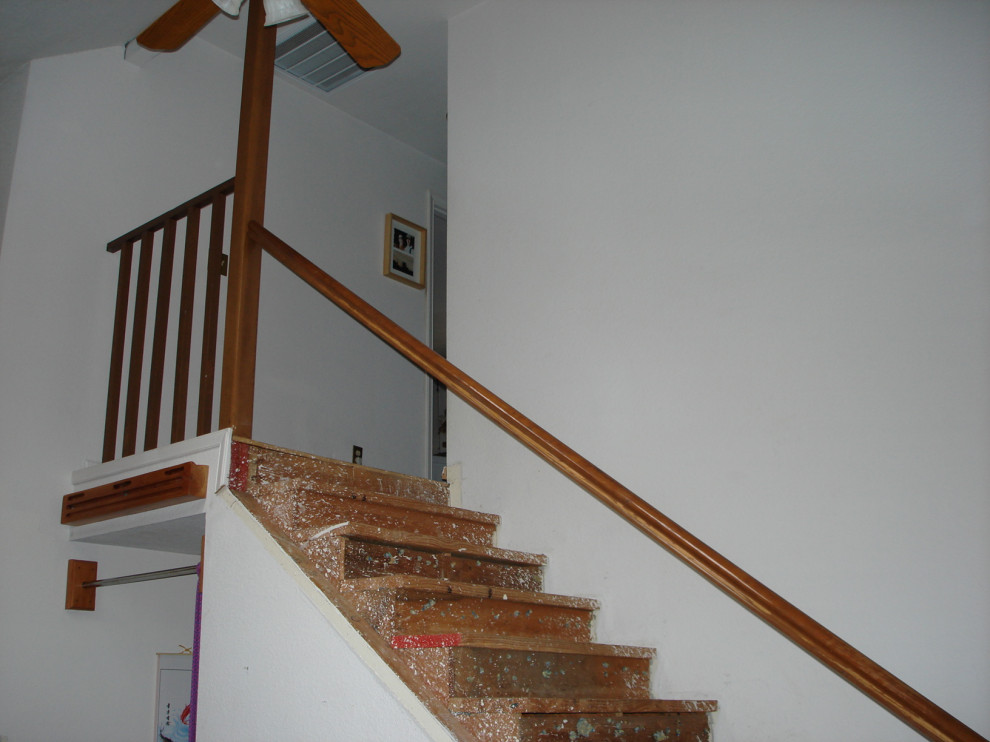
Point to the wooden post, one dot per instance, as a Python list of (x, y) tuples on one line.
[(241, 330)]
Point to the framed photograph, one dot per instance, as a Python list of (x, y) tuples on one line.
[(405, 251)]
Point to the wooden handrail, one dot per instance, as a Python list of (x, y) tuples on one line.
[(194, 204), (896, 696)]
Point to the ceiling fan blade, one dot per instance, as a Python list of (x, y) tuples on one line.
[(356, 31), (177, 25)]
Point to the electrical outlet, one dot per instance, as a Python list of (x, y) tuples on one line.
[(357, 454)]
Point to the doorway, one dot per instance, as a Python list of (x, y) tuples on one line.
[(438, 335)]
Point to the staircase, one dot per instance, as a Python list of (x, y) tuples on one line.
[(463, 622)]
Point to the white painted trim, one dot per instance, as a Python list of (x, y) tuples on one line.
[(212, 449), (437, 205), (423, 716), (172, 528)]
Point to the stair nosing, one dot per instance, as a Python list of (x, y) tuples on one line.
[(552, 646), (401, 503), (417, 583), (555, 705), (437, 544)]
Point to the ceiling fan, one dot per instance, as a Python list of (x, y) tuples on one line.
[(368, 44), (346, 20)]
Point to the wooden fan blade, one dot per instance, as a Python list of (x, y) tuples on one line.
[(356, 31), (177, 25)]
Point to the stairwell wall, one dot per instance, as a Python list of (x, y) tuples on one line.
[(104, 146), (736, 253), (271, 666), (13, 85)]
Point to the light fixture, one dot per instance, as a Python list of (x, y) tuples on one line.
[(276, 11), (280, 11), (230, 7)]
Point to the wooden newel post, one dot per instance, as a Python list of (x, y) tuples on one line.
[(241, 329)]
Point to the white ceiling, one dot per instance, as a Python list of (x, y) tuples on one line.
[(407, 100)]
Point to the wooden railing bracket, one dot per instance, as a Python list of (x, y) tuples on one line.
[(81, 583), (77, 597)]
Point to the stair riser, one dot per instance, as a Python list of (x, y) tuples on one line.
[(637, 727), (492, 727), (316, 510), (491, 616), (367, 559), (478, 672), (609, 727), (272, 468), (279, 504)]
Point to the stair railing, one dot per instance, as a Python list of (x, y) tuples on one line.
[(900, 699), (158, 237)]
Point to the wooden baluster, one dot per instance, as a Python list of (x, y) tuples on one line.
[(138, 330), (180, 394), (190, 211), (211, 317), (166, 259), (117, 348)]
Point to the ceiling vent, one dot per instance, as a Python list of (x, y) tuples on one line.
[(313, 56)]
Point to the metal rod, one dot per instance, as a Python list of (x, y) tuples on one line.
[(160, 575)]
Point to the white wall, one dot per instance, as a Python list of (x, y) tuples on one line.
[(271, 668), (104, 146), (325, 383), (736, 253), (13, 86)]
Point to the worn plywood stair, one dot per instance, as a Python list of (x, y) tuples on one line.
[(463, 622)]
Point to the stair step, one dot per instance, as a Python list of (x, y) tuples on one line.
[(523, 644), (255, 465), (682, 727), (479, 665), (467, 623), (312, 510), (596, 719), (409, 604), (353, 550), (533, 705)]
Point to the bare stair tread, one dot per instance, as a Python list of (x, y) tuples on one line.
[(400, 539), (417, 585), (393, 582), (401, 503), (522, 644), (251, 459), (524, 705)]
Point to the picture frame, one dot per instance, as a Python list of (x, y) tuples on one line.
[(173, 696), (405, 251)]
